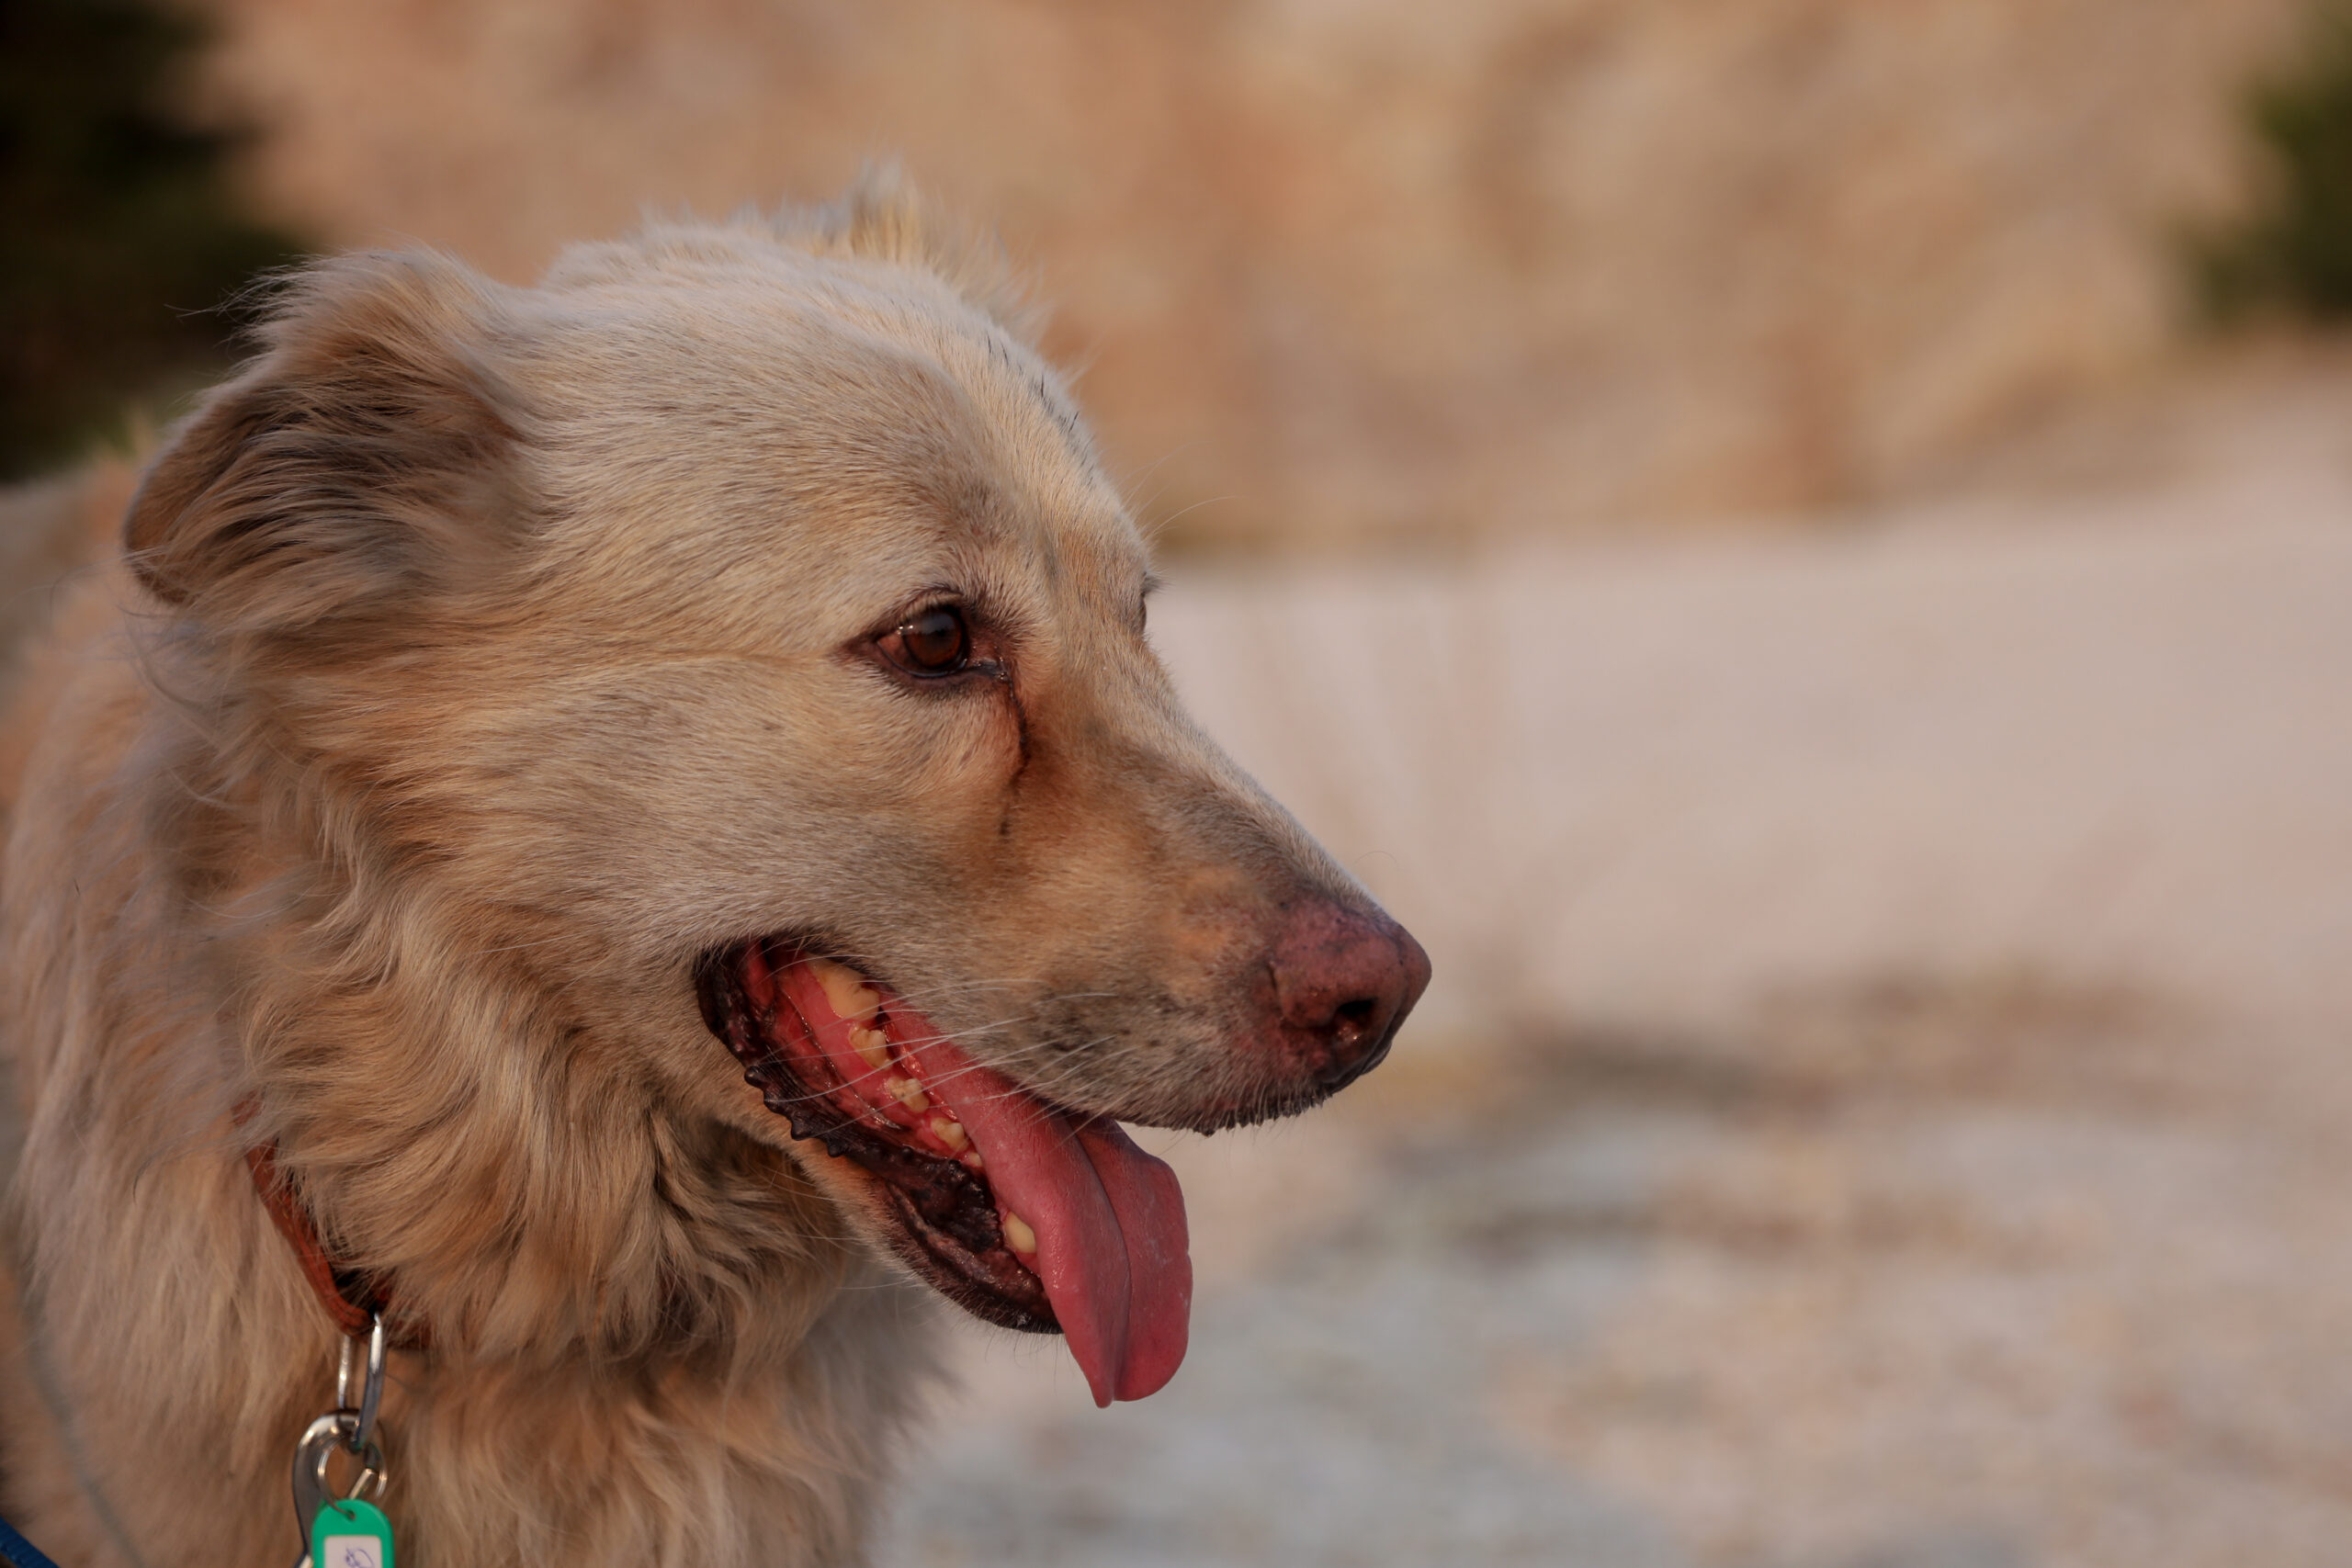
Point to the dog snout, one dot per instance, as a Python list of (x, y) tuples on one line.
[(1343, 981)]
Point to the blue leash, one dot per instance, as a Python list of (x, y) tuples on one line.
[(18, 1552)]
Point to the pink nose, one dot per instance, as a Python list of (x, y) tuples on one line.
[(1345, 979)]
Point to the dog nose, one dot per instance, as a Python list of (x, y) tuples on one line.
[(1345, 979)]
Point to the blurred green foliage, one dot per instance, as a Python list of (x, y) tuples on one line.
[(123, 233), (2294, 251)]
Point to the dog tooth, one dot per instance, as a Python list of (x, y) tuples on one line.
[(1018, 1235), (971, 1161), (873, 1047), (909, 1092), (949, 1131), (851, 997)]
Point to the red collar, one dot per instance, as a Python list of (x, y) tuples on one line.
[(351, 1297)]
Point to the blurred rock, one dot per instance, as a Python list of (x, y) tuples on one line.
[(1378, 268)]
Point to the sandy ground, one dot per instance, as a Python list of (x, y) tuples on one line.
[(1886, 1103)]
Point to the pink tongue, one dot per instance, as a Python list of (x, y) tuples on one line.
[(1110, 1221)]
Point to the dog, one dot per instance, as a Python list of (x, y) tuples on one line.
[(629, 832)]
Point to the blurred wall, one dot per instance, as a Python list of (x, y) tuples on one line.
[(1345, 267)]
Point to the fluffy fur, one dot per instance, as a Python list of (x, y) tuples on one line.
[(478, 658)]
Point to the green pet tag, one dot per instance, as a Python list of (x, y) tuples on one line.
[(351, 1534)]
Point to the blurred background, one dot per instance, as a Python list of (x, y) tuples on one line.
[(1805, 546)]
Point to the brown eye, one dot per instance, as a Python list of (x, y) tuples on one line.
[(933, 642)]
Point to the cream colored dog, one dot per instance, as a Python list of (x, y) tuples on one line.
[(622, 825)]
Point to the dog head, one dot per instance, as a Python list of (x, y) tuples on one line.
[(740, 626)]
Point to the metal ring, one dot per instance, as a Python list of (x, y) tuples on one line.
[(311, 1456), (371, 1388)]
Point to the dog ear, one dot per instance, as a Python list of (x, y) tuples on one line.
[(364, 456), (882, 216)]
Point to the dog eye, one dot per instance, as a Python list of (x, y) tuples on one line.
[(933, 642)]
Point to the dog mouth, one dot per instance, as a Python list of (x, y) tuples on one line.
[(1024, 1214)]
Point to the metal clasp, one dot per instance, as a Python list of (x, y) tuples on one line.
[(350, 1427), (371, 1384)]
